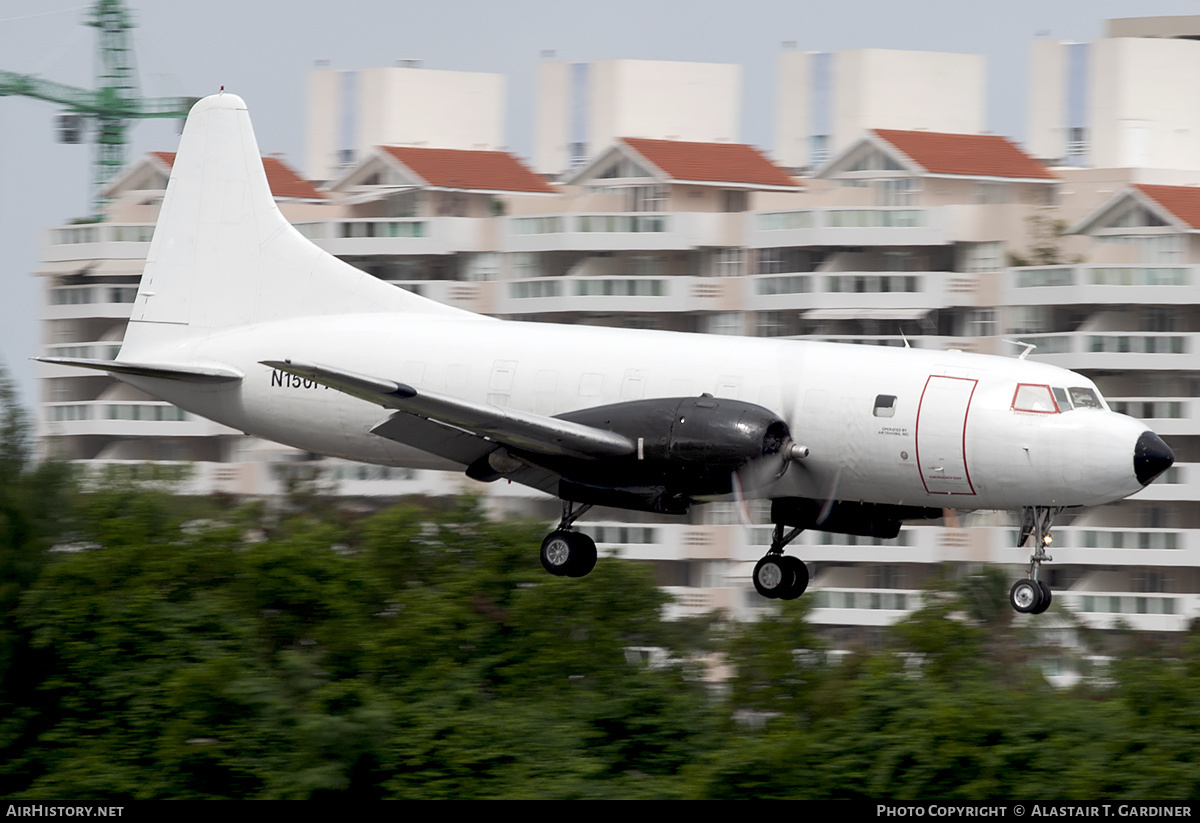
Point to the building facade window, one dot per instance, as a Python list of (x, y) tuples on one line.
[(902, 191), (727, 263), (647, 198), (982, 257)]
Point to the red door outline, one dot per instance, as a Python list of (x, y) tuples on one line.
[(942, 429)]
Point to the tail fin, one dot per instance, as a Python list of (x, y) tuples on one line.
[(222, 254)]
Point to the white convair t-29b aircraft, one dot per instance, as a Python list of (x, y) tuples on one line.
[(241, 319)]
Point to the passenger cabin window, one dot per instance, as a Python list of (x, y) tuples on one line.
[(885, 405), (1085, 399), (1034, 398)]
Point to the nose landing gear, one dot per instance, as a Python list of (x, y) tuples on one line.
[(1032, 595)]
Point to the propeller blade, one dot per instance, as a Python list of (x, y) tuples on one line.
[(830, 497)]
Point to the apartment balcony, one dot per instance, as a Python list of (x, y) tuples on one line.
[(100, 301), (852, 295), (364, 237), (843, 295), (618, 294), (862, 607), (622, 231), (1166, 415), (881, 226), (1117, 546), (1115, 350), (1101, 285), (97, 241), (124, 419), (1158, 612), (90, 350)]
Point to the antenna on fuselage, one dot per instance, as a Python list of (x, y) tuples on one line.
[(1027, 346), (905, 339)]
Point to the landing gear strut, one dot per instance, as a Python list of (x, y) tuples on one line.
[(1032, 595), (778, 575), (567, 553)]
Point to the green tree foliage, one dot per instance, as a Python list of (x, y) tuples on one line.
[(952, 707), (412, 654), (32, 501), (1045, 243)]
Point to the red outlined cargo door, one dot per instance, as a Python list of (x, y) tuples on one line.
[(942, 435)]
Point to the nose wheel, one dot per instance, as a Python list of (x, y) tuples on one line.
[(1032, 595)]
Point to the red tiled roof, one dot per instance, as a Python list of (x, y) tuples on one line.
[(970, 155), (1181, 201), (711, 162), (469, 170), (283, 181)]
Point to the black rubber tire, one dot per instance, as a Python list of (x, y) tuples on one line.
[(799, 577), (772, 576), (583, 555), (1047, 596), (1025, 596), (557, 551)]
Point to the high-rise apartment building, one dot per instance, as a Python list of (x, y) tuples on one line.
[(584, 107), (1118, 102), (351, 111), (827, 100)]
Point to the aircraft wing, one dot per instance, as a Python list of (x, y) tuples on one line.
[(460, 429), (459, 446)]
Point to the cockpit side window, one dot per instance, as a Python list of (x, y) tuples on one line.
[(1085, 399), (1030, 397), (885, 405), (1060, 397)]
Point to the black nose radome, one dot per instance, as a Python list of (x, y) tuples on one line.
[(1151, 457)]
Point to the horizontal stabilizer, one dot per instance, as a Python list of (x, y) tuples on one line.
[(191, 374), (518, 430)]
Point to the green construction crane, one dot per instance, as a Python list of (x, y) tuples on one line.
[(112, 104)]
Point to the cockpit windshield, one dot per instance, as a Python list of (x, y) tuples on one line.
[(1034, 398), (1041, 399), (1085, 399)]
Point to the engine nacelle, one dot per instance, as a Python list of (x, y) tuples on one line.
[(689, 447)]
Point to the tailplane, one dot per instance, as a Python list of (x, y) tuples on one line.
[(223, 256)]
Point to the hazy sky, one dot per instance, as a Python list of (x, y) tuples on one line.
[(262, 52)]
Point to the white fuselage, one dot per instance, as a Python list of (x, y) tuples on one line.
[(950, 438)]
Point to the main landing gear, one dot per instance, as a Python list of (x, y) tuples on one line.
[(781, 576), (1032, 595), (567, 553)]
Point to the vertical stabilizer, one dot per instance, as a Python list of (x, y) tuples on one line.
[(223, 256)]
